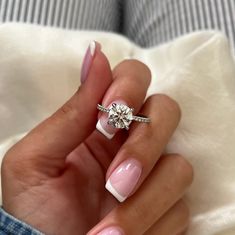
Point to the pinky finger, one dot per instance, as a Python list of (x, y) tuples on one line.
[(174, 222)]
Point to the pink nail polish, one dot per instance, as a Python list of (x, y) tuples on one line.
[(111, 231), (124, 179), (102, 125), (87, 61)]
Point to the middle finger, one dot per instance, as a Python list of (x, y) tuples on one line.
[(145, 144)]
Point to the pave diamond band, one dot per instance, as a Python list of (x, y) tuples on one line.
[(141, 119), (121, 116), (103, 109)]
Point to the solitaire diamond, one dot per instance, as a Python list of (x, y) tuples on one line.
[(120, 116)]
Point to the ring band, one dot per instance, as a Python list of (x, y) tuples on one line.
[(121, 116)]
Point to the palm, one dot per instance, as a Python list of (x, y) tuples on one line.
[(76, 200)]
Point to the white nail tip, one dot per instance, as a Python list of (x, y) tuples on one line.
[(113, 191), (92, 47), (103, 131)]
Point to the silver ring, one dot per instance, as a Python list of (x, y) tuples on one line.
[(121, 116)]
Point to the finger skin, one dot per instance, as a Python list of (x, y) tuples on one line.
[(59, 134), (142, 149), (173, 222), (128, 75), (131, 81), (161, 190)]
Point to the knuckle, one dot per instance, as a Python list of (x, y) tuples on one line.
[(70, 106), (67, 108), (170, 105), (11, 163), (140, 66), (184, 169), (183, 212), (5, 163), (130, 150), (139, 132), (138, 63), (144, 213), (67, 111), (148, 133), (9, 159), (137, 152)]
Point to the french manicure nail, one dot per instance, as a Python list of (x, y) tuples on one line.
[(124, 179), (111, 231), (102, 125), (87, 61)]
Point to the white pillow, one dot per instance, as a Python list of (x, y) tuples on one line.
[(40, 69)]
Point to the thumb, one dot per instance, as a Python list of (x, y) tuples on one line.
[(58, 135)]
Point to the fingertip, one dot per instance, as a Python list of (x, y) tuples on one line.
[(114, 192), (94, 64)]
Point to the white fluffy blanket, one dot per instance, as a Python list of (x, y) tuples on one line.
[(40, 69)]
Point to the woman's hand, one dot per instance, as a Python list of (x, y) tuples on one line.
[(54, 177)]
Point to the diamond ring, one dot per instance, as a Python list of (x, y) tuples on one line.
[(121, 116)]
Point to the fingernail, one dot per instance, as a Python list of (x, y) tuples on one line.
[(124, 179), (87, 61), (102, 125), (111, 231)]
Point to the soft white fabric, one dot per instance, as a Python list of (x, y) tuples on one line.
[(40, 69)]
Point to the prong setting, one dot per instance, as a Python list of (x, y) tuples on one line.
[(120, 115)]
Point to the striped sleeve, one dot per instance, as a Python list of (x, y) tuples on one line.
[(69, 14), (152, 22)]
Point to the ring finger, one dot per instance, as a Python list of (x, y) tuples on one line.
[(131, 81)]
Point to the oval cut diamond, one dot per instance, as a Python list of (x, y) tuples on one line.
[(120, 116)]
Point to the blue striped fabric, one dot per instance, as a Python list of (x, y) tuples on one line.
[(146, 22), (11, 226), (152, 22), (69, 14)]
